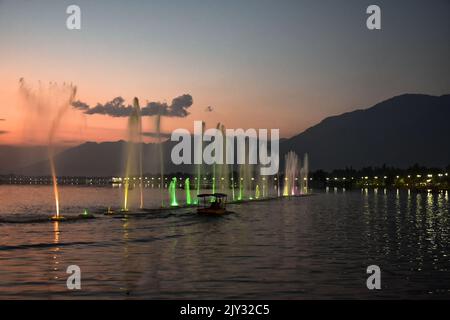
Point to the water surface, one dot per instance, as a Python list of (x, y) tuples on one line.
[(311, 247)]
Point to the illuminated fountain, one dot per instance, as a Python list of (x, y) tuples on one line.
[(265, 187), (42, 102), (224, 182), (187, 189), (199, 166), (290, 173), (86, 215), (294, 171), (62, 108), (304, 175), (161, 157), (173, 192), (257, 192), (133, 156), (245, 175), (215, 169)]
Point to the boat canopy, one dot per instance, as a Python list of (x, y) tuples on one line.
[(218, 200)]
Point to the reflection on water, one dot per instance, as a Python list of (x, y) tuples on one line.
[(312, 247)]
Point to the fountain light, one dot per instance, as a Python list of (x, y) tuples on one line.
[(57, 217), (172, 193), (86, 215), (188, 191)]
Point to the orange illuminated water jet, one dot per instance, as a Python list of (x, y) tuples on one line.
[(43, 102)]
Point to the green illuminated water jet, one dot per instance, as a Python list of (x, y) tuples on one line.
[(187, 189), (172, 192), (240, 188)]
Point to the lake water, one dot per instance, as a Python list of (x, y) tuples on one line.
[(309, 247)]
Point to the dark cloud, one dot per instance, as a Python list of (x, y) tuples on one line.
[(154, 108), (209, 109), (118, 108), (178, 108), (113, 108), (3, 132), (80, 105)]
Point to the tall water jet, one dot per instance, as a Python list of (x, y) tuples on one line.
[(224, 167), (241, 188), (51, 151), (290, 173), (46, 100), (134, 155), (161, 157), (199, 152), (233, 193), (215, 169), (264, 184), (278, 185), (173, 192), (304, 175), (187, 189), (245, 173), (257, 192)]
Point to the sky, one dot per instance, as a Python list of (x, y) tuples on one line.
[(257, 63)]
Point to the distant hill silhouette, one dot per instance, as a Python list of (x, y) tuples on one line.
[(401, 131), (13, 158)]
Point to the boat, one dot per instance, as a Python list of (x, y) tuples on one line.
[(213, 204)]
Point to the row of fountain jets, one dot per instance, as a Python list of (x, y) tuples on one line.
[(222, 176)]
